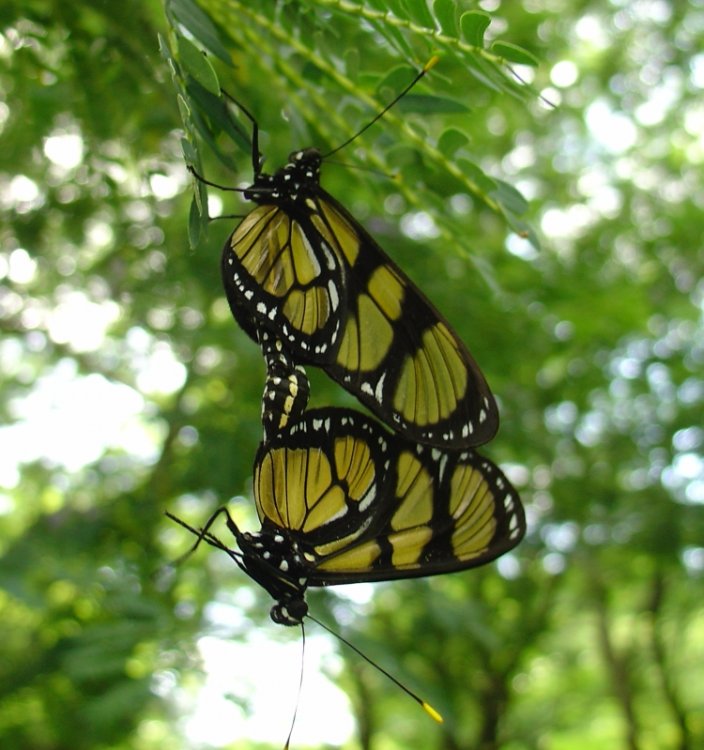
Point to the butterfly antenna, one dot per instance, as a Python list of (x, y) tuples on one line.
[(200, 534), (300, 686), (430, 64), (203, 535), (423, 704)]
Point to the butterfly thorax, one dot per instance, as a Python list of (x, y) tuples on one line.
[(293, 184), (276, 563)]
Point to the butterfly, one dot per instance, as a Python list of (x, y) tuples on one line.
[(341, 500), (302, 268)]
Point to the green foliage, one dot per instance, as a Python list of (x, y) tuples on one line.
[(591, 633)]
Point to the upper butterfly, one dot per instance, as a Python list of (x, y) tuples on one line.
[(303, 268)]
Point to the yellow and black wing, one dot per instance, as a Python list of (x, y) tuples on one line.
[(302, 268), (359, 504)]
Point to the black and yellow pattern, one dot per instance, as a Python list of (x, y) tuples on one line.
[(302, 268), (286, 389), (341, 500)]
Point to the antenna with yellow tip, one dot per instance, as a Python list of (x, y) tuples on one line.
[(434, 60), (433, 713)]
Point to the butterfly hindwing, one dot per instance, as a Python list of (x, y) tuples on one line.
[(317, 481), (287, 284)]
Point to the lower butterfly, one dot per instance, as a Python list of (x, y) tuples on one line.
[(340, 500)]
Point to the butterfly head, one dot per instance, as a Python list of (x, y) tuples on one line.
[(297, 181), (289, 611), (276, 563), (307, 161)]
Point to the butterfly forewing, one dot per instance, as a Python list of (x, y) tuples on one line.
[(402, 359), (433, 530)]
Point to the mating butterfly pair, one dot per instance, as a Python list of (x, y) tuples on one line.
[(339, 497)]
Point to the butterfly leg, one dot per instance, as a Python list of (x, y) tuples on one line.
[(257, 158)]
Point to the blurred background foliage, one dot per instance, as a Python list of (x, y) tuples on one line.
[(128, 390)]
